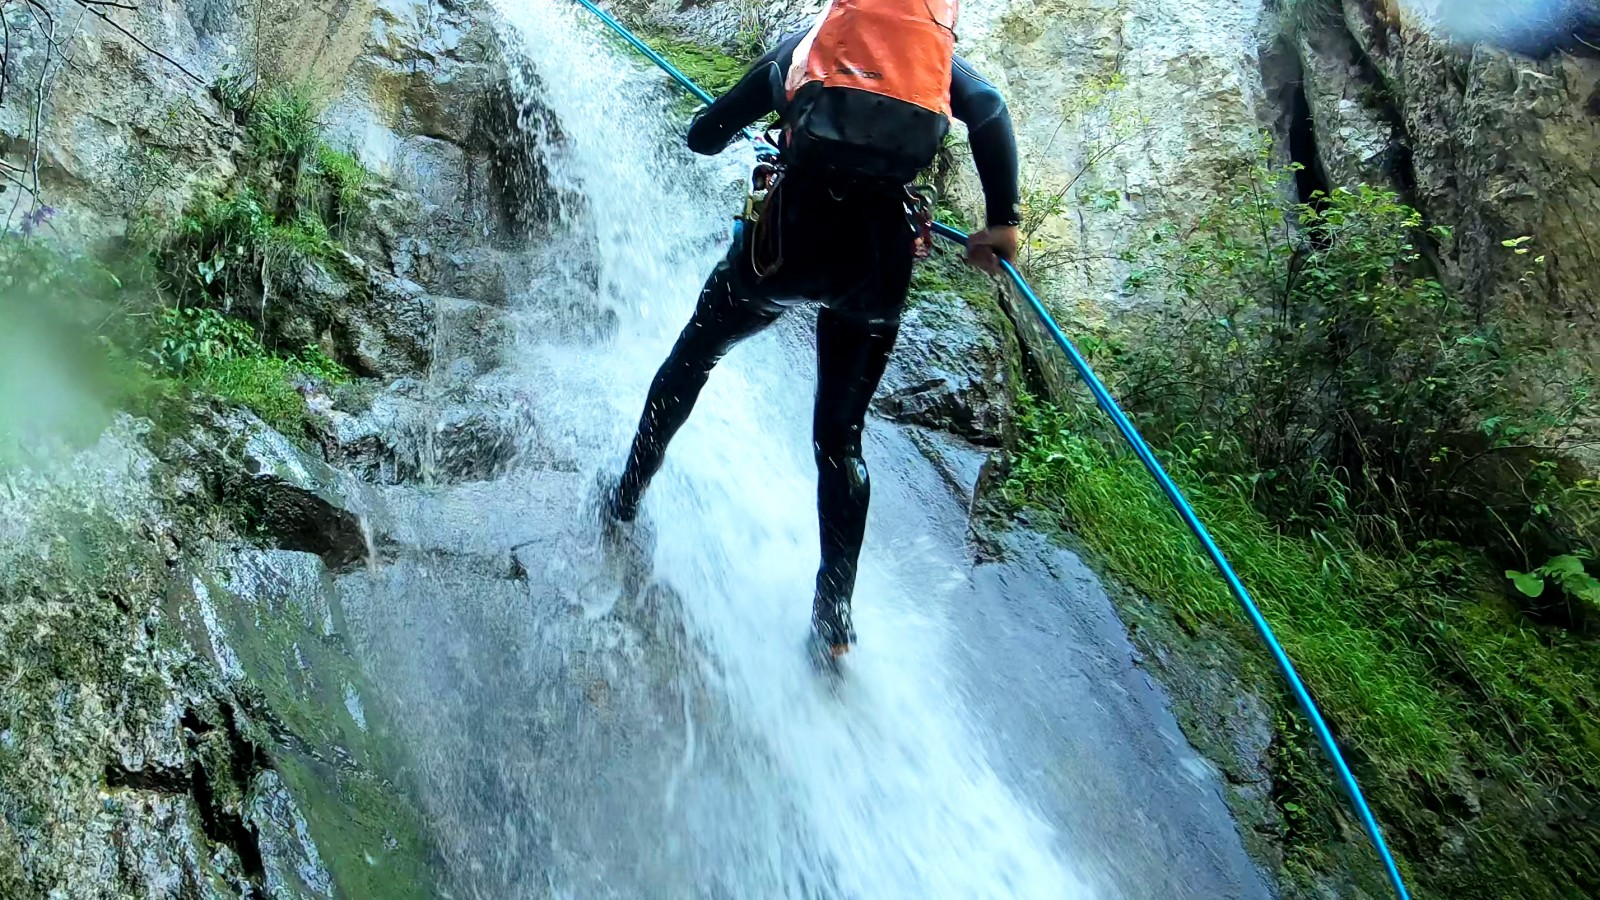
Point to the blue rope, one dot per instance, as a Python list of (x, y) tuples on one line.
[(1125, 427), (1136, 441), (646, 49)]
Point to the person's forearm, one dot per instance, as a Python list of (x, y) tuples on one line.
[(994, 153), (749, 100)]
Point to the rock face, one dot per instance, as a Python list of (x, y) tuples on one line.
[(955, 363), (183, 718), (1496, 143), (1355, 135), (430, 104), (129, 765), (1127, 114), (124, 131)]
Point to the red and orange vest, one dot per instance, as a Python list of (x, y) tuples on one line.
[(869, 87)]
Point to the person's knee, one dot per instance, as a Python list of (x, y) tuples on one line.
[(689, 365), (835, 441), (839, 458)]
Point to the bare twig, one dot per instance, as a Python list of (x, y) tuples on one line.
[(31, 190), (101, 15), (7, 176), (5, 59)]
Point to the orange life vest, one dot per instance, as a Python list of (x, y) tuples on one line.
[(869, 87)]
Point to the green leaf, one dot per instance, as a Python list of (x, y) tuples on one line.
[(1529, 584), (1565, 565)]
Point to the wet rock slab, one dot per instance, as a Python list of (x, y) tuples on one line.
[(298, 499), (412, 432), (950, 370), (303, 745)]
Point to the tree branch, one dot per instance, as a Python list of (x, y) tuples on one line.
[(5, 58), (91, 6)]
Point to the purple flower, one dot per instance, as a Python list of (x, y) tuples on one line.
[(36, 217)]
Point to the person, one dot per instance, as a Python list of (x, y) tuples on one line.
[(839, 239)]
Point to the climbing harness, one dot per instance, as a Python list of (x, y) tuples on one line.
[(919, 215), (1174, 494), (762, 218)]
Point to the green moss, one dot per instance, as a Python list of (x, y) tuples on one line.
[(259, 383), (369, 837), (714, 69), (945, 274), (709, 67), (13, 880), (1437, 688), (70, 588)]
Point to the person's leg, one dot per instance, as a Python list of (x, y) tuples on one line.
[(720, 320), (851, 356)]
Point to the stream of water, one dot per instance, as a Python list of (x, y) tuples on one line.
[(639, 720)]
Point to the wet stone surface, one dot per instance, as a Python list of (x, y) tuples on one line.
[(950, 370)]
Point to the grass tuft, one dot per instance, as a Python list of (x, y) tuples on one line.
[(345, 177), (281, 123)]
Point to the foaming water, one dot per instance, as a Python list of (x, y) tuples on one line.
[(663, 734)]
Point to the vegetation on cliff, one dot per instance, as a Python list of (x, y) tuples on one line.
[(1374, 457), (128, 741)]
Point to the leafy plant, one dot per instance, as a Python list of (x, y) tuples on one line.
[(1308, 348), (191, 337), (217, 354), (316, 363), (306, 235), (1566, 572), (281, 122)]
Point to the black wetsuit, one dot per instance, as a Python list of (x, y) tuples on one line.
[(847, 247)]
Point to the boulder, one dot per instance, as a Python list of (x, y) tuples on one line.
[(950, 370), (955, 359), (282, 490), (474, 434)]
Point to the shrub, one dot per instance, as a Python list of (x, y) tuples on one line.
[(1471, 729), (1310, 350)]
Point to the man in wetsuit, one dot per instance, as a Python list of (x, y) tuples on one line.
[(846, 244)]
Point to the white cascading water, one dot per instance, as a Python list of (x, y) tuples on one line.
[(579, 754)]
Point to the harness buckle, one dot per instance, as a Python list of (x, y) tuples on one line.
[(763, 178), (919, 216)]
